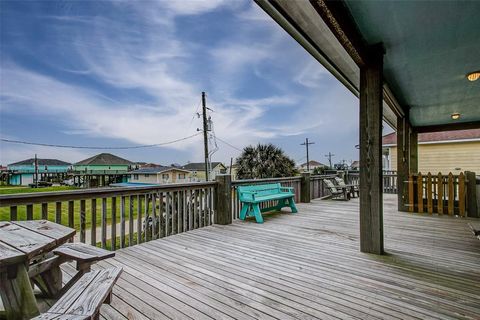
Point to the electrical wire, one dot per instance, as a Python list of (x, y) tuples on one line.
[(100, 148), (228, 144)]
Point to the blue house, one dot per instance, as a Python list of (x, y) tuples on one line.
[(23, 171)]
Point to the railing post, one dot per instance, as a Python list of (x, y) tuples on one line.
[(223, 199), (305, 188), (472, 207)]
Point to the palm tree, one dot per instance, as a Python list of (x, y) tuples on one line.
[(264, 161)]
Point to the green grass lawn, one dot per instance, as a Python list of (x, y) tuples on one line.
[(21, 189), (37, 210)]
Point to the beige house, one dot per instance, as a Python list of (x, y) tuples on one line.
[(449, 151), (159, 175), (312, 164), (197, 170)]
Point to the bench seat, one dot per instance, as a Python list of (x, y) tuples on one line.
[(252, 196), (84, 299), (82, 252)]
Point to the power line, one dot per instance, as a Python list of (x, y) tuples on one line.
[(99, 148), (230, 145)]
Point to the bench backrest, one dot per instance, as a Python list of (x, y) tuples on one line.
[(259, 189)]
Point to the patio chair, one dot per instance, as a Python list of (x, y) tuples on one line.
[(351, 187), (337, 192)]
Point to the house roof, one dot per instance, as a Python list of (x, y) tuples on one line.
[(41, 162), (312, 163), (156, 169), (355, 164), (199, 166), (432, 137), (104, 159)]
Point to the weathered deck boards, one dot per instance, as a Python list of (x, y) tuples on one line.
[(304, 266)]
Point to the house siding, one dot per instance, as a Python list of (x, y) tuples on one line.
[(445, 157), (101, 168)]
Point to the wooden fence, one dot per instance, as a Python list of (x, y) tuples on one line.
[(442, 194), (116, 217)]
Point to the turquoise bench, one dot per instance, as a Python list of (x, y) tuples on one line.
[(252, 196)]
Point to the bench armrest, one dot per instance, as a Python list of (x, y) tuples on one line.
[(288, 189), (249, 195)]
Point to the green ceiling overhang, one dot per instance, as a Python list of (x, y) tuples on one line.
[(430, 47)]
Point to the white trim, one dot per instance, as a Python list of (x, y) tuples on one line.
[(438, 142)]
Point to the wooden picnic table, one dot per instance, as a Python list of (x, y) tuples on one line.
[(26, 254)]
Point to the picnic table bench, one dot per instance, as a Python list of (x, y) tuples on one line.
[(32, 252), (252, 196)]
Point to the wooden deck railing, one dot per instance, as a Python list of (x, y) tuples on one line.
[(442, 194), (117, 217)]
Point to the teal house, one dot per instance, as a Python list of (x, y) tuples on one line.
[(23, 171), (103, 163)]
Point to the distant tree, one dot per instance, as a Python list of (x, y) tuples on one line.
[(264, 161), (319, 170)]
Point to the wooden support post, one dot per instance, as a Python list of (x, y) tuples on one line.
[(413, 152), (305, 188), (223, 199), (403, 164), (473, 210), (371, 189)]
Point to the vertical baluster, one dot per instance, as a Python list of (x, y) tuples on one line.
[(71, 208), (201, 212), (139, 220), (451, 195), (420, 192), (147, 218), (113, 237), (161, 214), (174, 212), (154, 216), (131, 200), (58, 212), (29, 211), (122, 222), (13, 213), (440, 193), (93, 229), (207, 208), (461, 194), (190, 211), (168, 211), (82, 221), (45, 211), (104, 223), (195, 209), (185, 210), (179, 211), (429, 194), (411, 194)]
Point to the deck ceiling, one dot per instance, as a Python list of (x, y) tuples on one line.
[(430, 47)]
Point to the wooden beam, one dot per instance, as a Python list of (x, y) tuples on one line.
[(403, 163), (371, 190), (449, 127), (413, 150)]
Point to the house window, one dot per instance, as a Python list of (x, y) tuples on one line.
[(135, 177), (181, 176), (165, 176)]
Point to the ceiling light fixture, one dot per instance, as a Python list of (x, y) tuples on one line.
[(473, 76), (455, 116)]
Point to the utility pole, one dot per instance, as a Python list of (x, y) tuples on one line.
[(329, 156), (205, 134), (306, 144)]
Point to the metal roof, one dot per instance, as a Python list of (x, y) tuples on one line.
[(104, 159), (41, 162)]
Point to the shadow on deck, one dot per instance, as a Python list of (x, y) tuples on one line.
[(303, 266)]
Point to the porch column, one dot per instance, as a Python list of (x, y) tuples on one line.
[(371, 193), (413, 152), (403, 161)]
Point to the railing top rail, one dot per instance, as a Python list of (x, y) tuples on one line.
[(247, 181), (58, 196), (322, 176)]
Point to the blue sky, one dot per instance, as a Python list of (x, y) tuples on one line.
[(132, 72)]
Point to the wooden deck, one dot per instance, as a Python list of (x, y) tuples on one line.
[(304, 266)]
